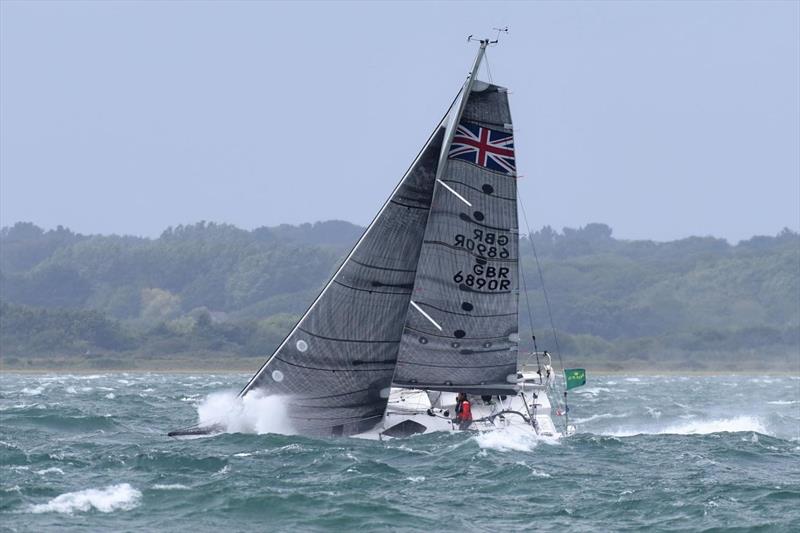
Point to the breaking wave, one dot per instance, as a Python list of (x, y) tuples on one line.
[(254, 413), (121, 497), (699, 427), (601, 416), (512, 438)]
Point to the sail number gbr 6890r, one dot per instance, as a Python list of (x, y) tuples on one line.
[(486, 243), (484, 277)]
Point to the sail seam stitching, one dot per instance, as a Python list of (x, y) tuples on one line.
[(456, 248), (466, 314), (384, 268), (345, 340), (370, 290), (480, 191), (334, 369), (451, 337)]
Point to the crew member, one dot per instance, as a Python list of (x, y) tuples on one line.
[(463, 411)]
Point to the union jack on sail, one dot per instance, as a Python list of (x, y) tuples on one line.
[(484, 147)]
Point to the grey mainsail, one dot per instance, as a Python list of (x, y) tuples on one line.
[(461, 331), (335, 367)]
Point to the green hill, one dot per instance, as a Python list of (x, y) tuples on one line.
[(215, 291)]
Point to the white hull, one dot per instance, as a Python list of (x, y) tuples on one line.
[(412, 412)]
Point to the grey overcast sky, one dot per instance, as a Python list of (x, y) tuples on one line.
[(662, 119)]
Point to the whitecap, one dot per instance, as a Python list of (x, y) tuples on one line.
[(416, 479), (654, 413), (287, 448), (699, 427), (405, 448), (51, 470), (222, 471), (121, 497), (18, 406), (784, 402), (170, 486), (534, 472), (592, 391), (110, 396), (33, 392), (597, 417)]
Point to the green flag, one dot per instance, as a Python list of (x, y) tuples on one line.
[(576, 377)]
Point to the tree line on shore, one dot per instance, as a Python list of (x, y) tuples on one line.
[(214, 290)]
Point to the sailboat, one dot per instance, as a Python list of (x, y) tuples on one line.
[(425, 306)]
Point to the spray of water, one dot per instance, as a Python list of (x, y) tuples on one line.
[(254, 413), (512, 438)]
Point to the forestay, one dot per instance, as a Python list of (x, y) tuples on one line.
[(461, 331)]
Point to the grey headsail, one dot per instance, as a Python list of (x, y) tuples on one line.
[(334, 369), (461, 330)]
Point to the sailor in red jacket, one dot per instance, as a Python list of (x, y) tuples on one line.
[(463, 411)]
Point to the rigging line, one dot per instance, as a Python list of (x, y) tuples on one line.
[(544, 289), (530, 314), (541, 280), (488, 69)]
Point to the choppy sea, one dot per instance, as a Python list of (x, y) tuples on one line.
[(89, 452)]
